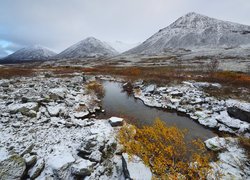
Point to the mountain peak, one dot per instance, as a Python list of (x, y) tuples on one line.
[(31, 53), (91, 38), (89, 47), (193, 19), (193, 14)]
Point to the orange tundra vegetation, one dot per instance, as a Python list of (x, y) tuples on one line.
[(164, 149)]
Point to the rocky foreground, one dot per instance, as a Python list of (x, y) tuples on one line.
[(48, 130)]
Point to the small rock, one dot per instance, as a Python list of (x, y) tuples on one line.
[(30, 159), (115, 121), (150, 89), (31, 114), (16, 125), (55, 110), (37, 169), (95, 156), (27, 150), (81, 115)]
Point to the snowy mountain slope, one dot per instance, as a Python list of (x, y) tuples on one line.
[(89, 47), (195, 31), (32, 53), (122, 46)]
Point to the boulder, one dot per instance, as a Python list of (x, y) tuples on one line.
[(238, 109), (215, 143), (12, 168), (57, 93), (82, 168), (60, 163), (23, 108), (238, 113), (5, 84)]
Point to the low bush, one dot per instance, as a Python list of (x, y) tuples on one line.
[(166, 151)]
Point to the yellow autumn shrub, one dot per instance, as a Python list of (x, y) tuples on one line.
[(166, 151)]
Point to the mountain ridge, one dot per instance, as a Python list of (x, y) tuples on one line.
[(192, 31)]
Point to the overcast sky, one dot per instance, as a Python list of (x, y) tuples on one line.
[(57, 24)]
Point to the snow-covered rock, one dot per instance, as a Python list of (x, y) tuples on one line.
[(232, 162), (28, 109), (82, 168), (55, 110), (238, 109), (136, 168), (115, 121), (81, 115), (57, 93)]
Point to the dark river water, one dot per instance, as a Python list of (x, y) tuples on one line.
[(118, 103)]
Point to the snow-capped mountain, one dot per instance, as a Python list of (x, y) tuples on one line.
[(89, 47), (32, 53), (194, 31), (122, 46)]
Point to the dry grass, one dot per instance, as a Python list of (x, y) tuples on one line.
[(245, 143), (96, 88), (10, 72), (172, 74)]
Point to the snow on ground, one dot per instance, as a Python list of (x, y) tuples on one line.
[(46, 131), (232, 162)]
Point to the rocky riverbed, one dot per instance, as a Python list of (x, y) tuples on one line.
[(49, 130)]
